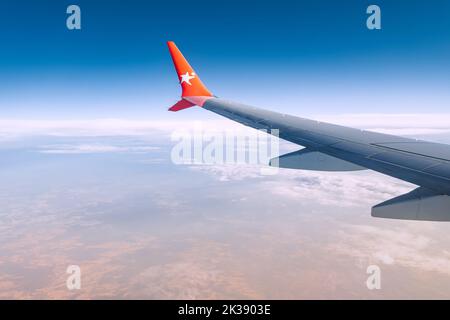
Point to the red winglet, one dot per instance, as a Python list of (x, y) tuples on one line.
[(180, 105), (191, 84)]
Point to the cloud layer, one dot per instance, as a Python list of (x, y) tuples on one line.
[(389, 123)]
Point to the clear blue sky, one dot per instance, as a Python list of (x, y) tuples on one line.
[(302, 57)]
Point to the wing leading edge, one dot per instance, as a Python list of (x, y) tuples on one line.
[(341, 148)]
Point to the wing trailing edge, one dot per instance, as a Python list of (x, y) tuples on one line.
[(306, 159)]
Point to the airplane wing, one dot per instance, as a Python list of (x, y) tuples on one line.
[(330, 147)]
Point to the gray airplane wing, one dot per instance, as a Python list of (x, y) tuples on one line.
[(330, 147)]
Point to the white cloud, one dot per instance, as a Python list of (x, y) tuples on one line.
[(341, 189), (403, 246), (10, 128), (94, 148), (400, 123), (230, 172), (384, 257)]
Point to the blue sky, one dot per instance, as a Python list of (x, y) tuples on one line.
[(302, 57)]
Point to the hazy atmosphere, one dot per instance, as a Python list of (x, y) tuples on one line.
[(110, 201)]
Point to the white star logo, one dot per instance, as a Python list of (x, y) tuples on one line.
[(187, 78)]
